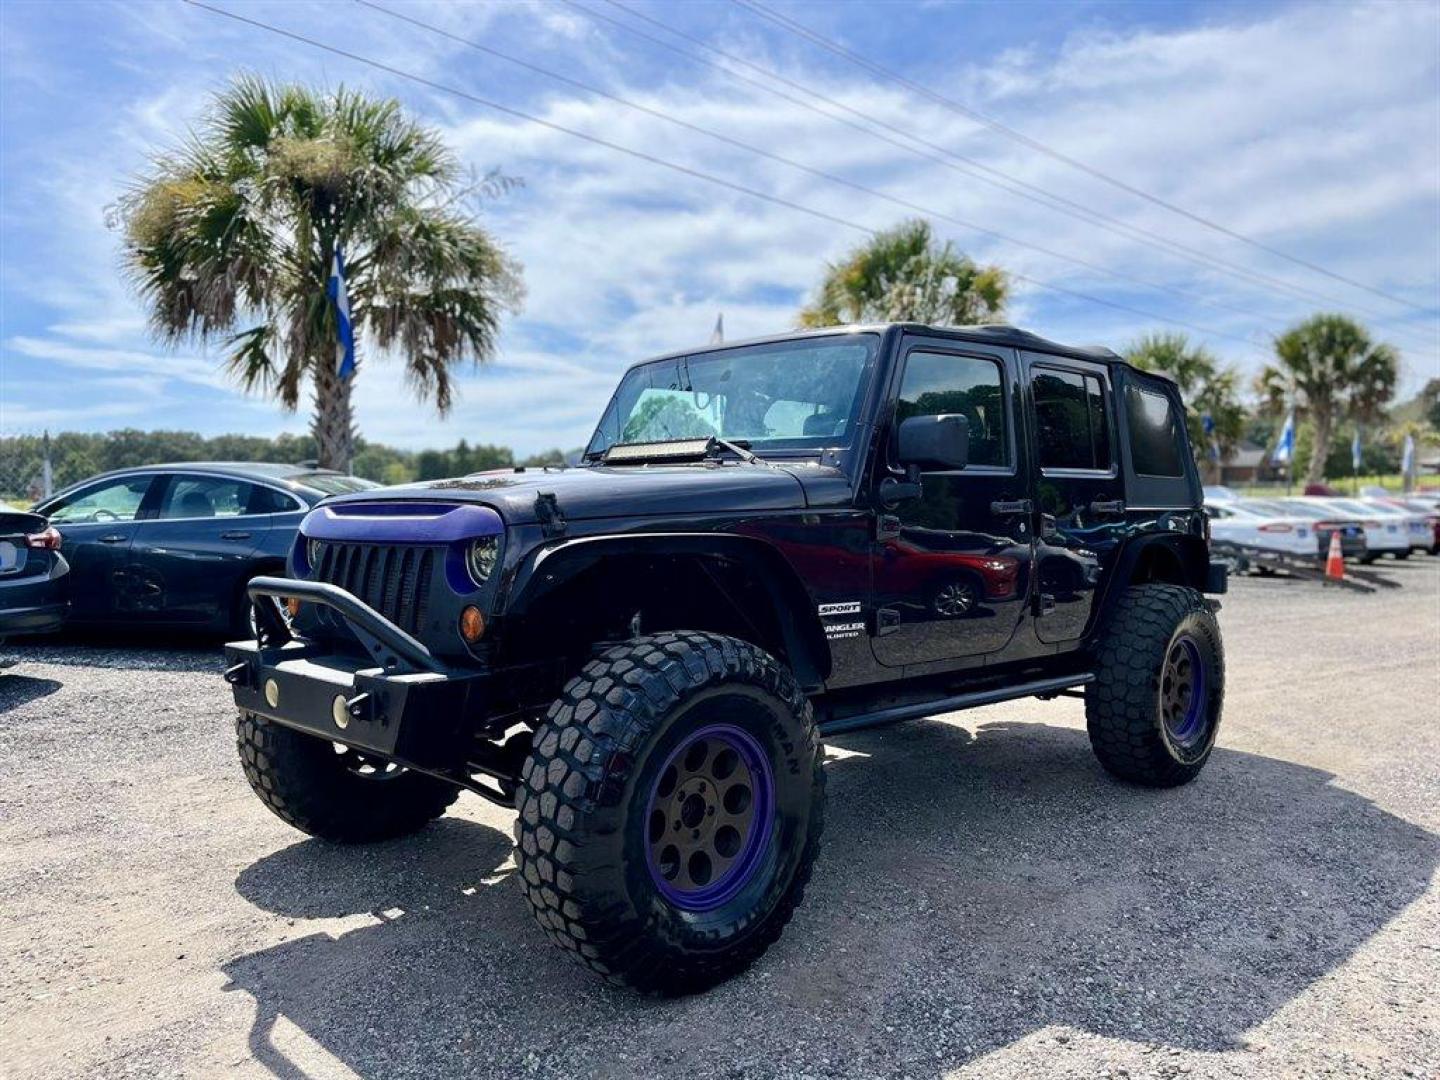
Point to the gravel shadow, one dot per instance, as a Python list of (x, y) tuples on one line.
[(976, 886), (17, 690)]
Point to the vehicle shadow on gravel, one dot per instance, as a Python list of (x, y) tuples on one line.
[(975, 889), (17, 690)]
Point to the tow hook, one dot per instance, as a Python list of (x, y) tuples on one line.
[(238, 675)]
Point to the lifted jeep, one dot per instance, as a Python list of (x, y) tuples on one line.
[(766, 544)]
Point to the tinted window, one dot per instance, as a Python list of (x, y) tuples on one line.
[(1070, 420), (119, 500), (204, 496), (264, 500), (1154, 433), (937, 383)]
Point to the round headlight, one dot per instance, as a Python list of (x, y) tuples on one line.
[(481, 558), (314, 549)]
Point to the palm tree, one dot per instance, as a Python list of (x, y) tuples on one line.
[(1207, 387), (1329, 367), (903, 275), (231, 237)]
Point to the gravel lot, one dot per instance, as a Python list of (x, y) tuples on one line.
[(988, 903)]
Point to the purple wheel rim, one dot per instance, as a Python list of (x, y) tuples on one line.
[(1184, 694), (709, 817)]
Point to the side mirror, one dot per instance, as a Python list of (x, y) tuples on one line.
[(935, 442)]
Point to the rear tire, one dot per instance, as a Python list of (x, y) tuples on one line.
[(671, 811), (336, 796), (1154, 708)]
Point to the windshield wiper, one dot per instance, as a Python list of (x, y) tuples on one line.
[(739, 449)]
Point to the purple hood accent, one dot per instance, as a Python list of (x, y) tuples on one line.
[(401, 523)]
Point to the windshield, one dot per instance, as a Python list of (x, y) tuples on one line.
[(788, 395)]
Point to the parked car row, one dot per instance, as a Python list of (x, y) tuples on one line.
[(1369, 525), (170, 545)]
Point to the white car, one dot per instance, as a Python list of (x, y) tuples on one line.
[(1416, 523), (1233, 521), (1217, 493), (1384, 533)]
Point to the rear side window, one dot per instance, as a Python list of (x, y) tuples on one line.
[(1070, 420), (941, 383), (264, 500), (1154, 433)]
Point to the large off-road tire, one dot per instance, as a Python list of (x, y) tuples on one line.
[(332, 793), (1153, 710), (671, 810)]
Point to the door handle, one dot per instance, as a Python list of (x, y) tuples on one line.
[(1111, 506), (1003, 508), (235, 536), (114, 538)]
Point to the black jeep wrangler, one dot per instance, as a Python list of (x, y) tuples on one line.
[(766, 544)]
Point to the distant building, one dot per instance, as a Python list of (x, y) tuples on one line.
[(1246, 464)]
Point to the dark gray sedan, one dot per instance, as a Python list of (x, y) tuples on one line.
[(176, 544), (33, 574)]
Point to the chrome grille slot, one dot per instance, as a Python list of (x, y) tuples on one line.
[(394, 579)]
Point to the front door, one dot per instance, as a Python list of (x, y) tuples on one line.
[(97, 525), (951, 569), (1078, 491)]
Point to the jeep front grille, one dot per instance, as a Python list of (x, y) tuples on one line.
[(395, 579)]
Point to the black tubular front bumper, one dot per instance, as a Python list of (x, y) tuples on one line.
[(400, 703)]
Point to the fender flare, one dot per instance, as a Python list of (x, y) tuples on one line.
[(551, 567), (1190, 553)]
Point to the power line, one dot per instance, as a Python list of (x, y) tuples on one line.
[(673, 166), (802, 31), (810, 170), (959, 163)]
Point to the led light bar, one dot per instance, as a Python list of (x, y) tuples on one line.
[(658, 451)]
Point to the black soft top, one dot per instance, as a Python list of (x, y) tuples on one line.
[(1010, 336)]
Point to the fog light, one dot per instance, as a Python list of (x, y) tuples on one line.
[(472, 624), (272, 693), (340, 711)]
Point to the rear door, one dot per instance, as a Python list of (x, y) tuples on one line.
[(192, 557), (97, 525), (951, 569), (1078, 489)]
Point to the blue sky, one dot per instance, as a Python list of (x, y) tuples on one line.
[(1314, 128)]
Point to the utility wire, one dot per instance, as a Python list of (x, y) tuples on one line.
[(959, 163), (672, 166), (809, 170), (802, 31)]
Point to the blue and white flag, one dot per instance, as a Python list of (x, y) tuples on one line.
[(1207, 424), (1407, 457), (1355, 450), (1285, 448), (344, 331)]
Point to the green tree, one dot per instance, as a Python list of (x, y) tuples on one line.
[(1329, 368), (904, 275), (1430, 403), (1206, 386), (230, 238)]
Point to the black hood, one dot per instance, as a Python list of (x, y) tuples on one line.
[(610, 491)]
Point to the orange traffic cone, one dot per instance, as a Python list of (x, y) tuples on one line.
[(1334, 561)]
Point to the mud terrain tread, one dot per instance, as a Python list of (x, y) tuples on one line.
[(1121, 704), (301, 780), (583, 754)]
